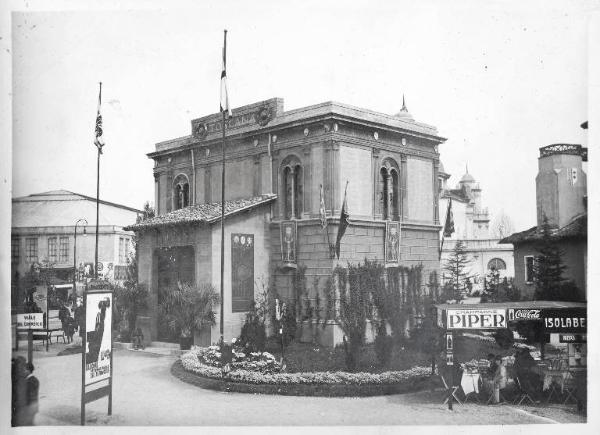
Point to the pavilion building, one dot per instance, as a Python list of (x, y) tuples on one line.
[(280, 167)]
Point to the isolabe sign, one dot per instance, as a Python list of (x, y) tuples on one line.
[(30, 321), (565, 320), (476, 319)]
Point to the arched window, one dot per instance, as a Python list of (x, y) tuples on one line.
[(496, 264), (389, 189), (292, 177), (181, 192)]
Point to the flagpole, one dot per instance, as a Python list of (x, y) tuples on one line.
[(97, 197), (222, 320)]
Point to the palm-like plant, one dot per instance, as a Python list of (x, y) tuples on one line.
[(188, 308)]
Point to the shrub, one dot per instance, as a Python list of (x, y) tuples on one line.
[(253, 337), (187, 308)]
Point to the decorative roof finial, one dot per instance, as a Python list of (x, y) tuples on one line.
[(466, 168), (404, 109)]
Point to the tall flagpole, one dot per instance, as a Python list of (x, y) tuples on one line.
[(97, 195), (224, 112)]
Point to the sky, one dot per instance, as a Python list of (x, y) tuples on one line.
[(498, 79)]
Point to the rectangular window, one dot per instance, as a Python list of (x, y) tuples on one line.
[(31, 250), (52, 249), (14, 250), (528, 268), (64, 250), (123, 249)]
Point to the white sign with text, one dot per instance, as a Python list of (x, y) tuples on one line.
[(476, 319)]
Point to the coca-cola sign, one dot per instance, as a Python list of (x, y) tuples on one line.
[(524, 314)]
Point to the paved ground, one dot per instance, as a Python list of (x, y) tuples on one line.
[(145, 393)]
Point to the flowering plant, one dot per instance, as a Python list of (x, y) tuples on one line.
[(195, 361)]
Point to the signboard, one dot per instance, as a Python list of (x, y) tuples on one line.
[(572, 338), (30, 321), (98, 343), (524, 314), (565, 320), (492, 318)]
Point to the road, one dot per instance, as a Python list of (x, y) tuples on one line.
[(145, 393)]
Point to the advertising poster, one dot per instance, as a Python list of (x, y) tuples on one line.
[(99, 336)]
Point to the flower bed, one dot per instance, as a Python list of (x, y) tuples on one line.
[(308, 383)]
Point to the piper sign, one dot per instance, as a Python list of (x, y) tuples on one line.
[(476, 319)]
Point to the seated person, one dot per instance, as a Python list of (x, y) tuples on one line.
[(524, 369), (138, 339)]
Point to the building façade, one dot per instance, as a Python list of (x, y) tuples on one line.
[(277, 164)]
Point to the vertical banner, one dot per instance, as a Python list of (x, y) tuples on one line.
[(288, 242), (392, 243), (242, 272), (98, 323)]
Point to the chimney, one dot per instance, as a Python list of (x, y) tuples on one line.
[(561, 184)]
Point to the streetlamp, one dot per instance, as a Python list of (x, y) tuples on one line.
[(75, 255)]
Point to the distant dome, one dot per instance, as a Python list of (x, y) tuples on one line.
[(467, 178)]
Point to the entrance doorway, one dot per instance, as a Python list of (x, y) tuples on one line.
[(174, 265)]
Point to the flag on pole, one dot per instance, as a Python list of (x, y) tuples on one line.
[(322, 214), (99, 139), (449, 224), (224, 95), (344, 215)]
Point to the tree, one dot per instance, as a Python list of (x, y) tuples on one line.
[(502, 226), (548, 267), (147, 213), (456, 266), (132, 297), (353, 312)]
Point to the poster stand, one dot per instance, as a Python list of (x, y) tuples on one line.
[(97, 294)]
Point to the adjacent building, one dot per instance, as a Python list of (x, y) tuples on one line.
[(472, 226), (282, 168), (43, 236), (561, 197)]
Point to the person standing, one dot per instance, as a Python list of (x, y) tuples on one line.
[(26, 412)]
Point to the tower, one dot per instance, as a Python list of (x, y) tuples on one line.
[(561, 184)]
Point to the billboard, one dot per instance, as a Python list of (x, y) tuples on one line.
[(98, 346), (492, 318)]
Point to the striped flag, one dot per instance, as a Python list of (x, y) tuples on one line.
[(224, 94), (322, 214), (344, 215), (99, 135)]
